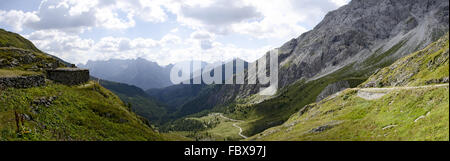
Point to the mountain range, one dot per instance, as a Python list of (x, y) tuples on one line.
[(370, 70), (342, 51), (139, 72)]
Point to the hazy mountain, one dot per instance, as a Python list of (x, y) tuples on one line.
[(180, 98), (139, 72)]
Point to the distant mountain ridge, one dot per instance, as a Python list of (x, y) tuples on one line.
[(139, 72), (184, 99)]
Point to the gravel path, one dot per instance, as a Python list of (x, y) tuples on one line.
[(376, 93), (235, 124)]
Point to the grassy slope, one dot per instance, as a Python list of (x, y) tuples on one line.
[(222, 129), (294, 97), (88, 112), (11, 42), (426, 66), (9, 39), (215, 128), (365, 120), (40, 60), (258, 117), (15, 48), (141, 103)]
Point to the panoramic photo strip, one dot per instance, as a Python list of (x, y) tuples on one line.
[(224, 79)]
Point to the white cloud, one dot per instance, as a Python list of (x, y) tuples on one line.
[(108, 18), (212, 15), (65, 15), (152, 10), (175, 30), (285, 19), (170, 39), (55, 41), (16, 19), (204, 39), (202, 35), (169, 49), (68, 47), (75, 16), (222, 12), (340, 2), (119, 44), (262, 19), (57, 25), (145, 10)]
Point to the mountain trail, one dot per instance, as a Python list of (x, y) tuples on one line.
[(376, 93), (235, 124)]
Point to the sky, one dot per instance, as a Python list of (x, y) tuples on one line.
[(163, 31)]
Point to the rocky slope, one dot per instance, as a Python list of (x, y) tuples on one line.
[(427, 66), (359, 31), (414, 112)]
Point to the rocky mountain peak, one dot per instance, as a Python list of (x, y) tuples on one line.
[(355, 31)]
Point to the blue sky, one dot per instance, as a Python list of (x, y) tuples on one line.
[(164, 31)]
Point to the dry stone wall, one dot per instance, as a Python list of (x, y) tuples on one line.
[(68, 76), (22, 81)]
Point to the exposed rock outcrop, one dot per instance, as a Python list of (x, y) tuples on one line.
[(354, 32), (325, 127), (357, 32), (332, 89)]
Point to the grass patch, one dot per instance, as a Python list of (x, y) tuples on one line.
[(392, 117), (216, 128), (87, 112), (291, 100), (427, 66), (9, 39), (14, 73)]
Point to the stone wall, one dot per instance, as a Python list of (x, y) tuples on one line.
[(68, 76), (22, 81)]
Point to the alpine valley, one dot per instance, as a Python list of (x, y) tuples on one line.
[(370, 70)]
